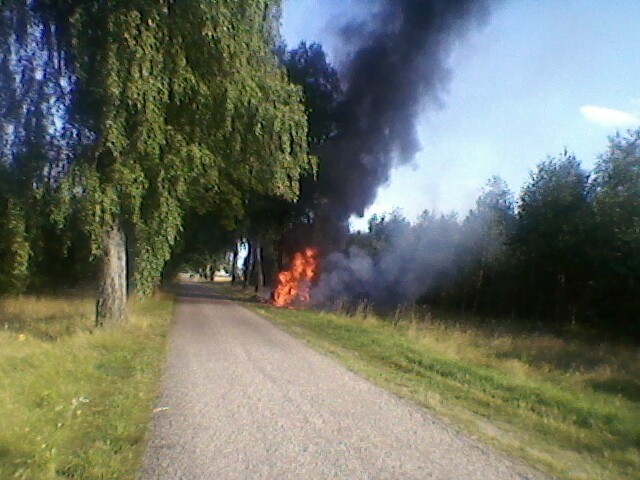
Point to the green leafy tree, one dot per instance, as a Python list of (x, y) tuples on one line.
[(308, 67), (482, 250), (31, 142), (275, 228), (173, 106), (616, 197), (551, 241)]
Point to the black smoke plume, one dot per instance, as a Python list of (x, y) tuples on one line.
[(397, 66)]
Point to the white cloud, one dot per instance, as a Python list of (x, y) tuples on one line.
[(608, 117)]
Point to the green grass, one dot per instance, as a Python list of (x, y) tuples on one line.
[(568, 407), (76, 401)]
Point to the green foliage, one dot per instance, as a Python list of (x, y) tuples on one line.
[(553, 239), (572, 254), (616, 190), (76, 401), (170, 107), (538, 396), (16, 251), (384, 230), (307, 66), (567, 257), (279, 223), (616, 201)]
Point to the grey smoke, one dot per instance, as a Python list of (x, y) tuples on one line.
[(396, 66), (411, 261)]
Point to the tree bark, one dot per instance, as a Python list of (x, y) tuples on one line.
[(210, 272), (248, 265), (234, 263), (259, 271), (111, 308)]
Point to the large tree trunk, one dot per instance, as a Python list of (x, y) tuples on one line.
[(259, 272), (111, 308), (234, 263), (248, 265), (210, 272)]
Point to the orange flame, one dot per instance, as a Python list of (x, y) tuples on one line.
[(294, 284)]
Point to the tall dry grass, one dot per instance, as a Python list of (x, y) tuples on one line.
[(75, 400), (567, 404)]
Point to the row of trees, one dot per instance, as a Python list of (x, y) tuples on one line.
[(133, 132), (566, 250), (275, 228), (139, 136)]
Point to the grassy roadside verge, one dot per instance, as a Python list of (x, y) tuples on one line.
[(570, 408), (76, 402)]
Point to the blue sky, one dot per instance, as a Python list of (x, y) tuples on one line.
[(539, 76)]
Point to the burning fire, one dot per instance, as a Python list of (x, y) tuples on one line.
[(294, 284)]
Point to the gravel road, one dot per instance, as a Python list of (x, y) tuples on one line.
[(241, 399)]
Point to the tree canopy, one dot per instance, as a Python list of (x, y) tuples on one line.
[(567, 252), (137, 112)]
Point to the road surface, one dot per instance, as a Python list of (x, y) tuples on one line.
[(241, 399)]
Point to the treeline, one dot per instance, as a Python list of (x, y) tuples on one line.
[(137, 137), (136, 134), (566, 250)]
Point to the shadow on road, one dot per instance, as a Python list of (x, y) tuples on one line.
[(191, 292)]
